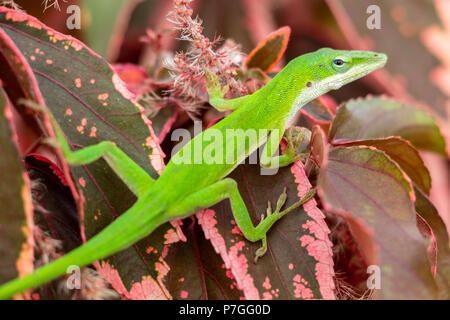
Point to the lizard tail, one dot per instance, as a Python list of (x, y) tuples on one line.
[(129, 228)]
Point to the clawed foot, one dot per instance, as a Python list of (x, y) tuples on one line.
[(295, 137), (280, 203)]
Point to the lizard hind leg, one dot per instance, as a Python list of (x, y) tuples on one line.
[(228, 189)]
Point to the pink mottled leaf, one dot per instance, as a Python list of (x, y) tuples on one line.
[(92, 104), (298, 263), (207, 276), (365, 183), (16, 211)]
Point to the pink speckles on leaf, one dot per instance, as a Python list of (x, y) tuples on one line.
[(233, 260), (150, 250), (69, 112), (184, 294), (49, 61), (93, 132), (171, 236), (301, 289), (147, 289), (19, 16), (157, 156), (320, 247), (82, 182), (266, 284), (103, 96), (236, 230), (267, 296), (306, 239), (78, 82)]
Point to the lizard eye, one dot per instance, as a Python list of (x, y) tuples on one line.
[(341, 63), (338, 62)]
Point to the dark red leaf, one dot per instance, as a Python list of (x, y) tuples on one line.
[(269, 51)]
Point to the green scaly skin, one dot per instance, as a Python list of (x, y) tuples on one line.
[(183, 189)]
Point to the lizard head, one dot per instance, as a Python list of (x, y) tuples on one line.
[(328, 69), (314, 74)]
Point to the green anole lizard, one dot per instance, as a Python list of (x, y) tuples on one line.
[(184, 188)]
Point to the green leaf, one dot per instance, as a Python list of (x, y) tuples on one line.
[(16, 215), (379, 117), (405, 155), (207, 277), (106, 24), (365, 184), (269, 51), (91, 104), (298, 263)]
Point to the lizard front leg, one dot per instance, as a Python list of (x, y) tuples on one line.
[(217, 93), (268, 160), (227, 188)]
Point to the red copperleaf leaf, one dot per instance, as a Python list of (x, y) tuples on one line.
[(134, 77), (329, 103), (405, 155), (298, 263), (91, 104), (317, 112), (380, 117), (16, 218), (319, 146), (270, 50), (207, 278), (368, 185)]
